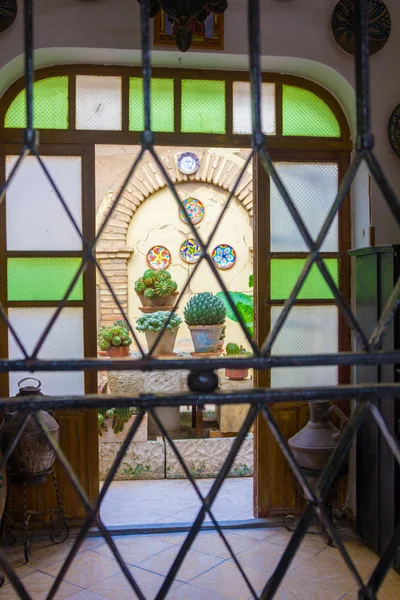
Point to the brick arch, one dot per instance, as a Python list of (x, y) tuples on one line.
[(219, 168)]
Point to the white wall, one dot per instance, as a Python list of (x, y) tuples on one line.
[(296, 38)]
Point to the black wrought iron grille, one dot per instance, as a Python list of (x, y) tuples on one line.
[(202, 371)]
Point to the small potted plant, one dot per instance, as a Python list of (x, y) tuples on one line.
[(111, 424), (114, 340), (156, 289), (152, 324), (205, 316), (236, 374)]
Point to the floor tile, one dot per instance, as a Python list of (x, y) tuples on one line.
[(135, 549), (86, 595), (259, 533), (87, 569), (189, 592), (263, 555), (227, 580), (194, 564), (118, 587), (38, 585), (281, 537)]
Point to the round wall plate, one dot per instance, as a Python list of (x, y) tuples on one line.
[(188, 163), (159, 258), (8, 12), (190, 251), (379, 25), (224, 256), (394, 130), (195, 210)]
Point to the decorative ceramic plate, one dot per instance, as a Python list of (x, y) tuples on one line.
[(188, 163), (195, 210), (224, 256), (190, 251), (8, 12), (379, 25), (394, 130), (158, 258)]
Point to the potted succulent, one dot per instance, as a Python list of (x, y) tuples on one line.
[(205, 316), (236, 374), (114, 340), (156, 289), (111, 424), (152, 324)]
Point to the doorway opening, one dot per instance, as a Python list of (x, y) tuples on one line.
[(149, 235)]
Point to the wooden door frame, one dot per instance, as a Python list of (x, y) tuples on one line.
[(265, 446), (85, 423)]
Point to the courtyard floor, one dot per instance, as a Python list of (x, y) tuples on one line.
[(174, 501), (208, 572)]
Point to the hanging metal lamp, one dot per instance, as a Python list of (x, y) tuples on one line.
[(181, 12)]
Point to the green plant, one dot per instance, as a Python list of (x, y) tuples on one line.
[(204, 309), (244, 305), (236, 350), (115, 417), (223, 333), (113, 335), (156, 321), (155, 284)]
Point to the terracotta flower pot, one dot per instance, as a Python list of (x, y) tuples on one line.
[(166, 344), (158, 302), (236, 374), (117, 351), (205, 338)]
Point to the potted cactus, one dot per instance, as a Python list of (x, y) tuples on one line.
[(114, 424), (152, 324), (236, 350), (205, 316), (156, 289), (114, 340)]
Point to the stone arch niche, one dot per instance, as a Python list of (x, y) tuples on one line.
[(123, 245)]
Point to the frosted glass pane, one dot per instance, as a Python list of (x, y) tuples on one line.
[(203, 106), (50, 105), (313, 188), (64, 341), (307, 330), (242, 108), (31, 279), (161, 104), (36, 219), (98, 103), (306, 114), (286, 271)]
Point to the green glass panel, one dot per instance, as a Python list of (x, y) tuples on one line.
[(50, 105), (306, 114), (203, 106), (42, 278), (162, 104), (286, 271)]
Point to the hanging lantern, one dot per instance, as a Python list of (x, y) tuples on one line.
[(181, 13), (33, 457)]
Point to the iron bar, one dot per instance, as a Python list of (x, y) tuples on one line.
[(206, 364), (364, 137), (255, 397), (30, 136)]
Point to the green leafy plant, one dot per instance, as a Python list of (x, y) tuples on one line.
[(204, 309), (236, 350), (244, 305), (115, 418), (113, 335), (156, 321), (155, 284)]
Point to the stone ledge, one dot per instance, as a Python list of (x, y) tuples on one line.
[(143, 460)]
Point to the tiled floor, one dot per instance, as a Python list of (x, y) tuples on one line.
[(174, 501), (208, 572)]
